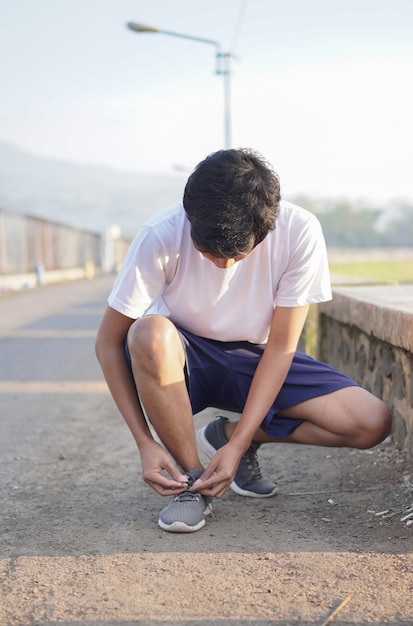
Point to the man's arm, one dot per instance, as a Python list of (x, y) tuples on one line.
[(286, 328), (110, 351)]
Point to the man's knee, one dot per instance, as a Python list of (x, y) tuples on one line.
[(376, 427), (153, 337)]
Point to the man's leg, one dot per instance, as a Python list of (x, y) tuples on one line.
[(350, 417), (158, 362)]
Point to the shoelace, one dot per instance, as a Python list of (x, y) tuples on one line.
[(191, 496), (251, 459), (187, 496)]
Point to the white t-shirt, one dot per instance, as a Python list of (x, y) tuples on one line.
[(164, 273)]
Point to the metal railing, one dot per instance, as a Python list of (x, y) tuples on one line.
[(32, 244)]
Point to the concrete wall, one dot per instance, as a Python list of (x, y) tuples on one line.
[(366, 332)]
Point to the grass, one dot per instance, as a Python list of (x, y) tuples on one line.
[(380, 271)]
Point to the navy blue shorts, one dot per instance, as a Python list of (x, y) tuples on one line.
[(219, 375)]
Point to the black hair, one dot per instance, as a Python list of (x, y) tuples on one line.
[(232, 201)]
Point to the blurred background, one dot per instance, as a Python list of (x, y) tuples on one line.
[(100, 125)]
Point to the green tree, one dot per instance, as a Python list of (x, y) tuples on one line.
[(399, 229), (346, 226)]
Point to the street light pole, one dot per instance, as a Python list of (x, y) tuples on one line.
[(222, 68)]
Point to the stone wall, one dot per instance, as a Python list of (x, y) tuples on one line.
[(366, 332)]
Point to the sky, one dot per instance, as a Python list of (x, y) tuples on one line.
[(321, 88)]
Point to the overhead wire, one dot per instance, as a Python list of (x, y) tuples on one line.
[(238, 25)]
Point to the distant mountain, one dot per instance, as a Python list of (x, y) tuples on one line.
[(84, 196)]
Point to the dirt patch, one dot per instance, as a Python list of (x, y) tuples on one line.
[(80, 540)]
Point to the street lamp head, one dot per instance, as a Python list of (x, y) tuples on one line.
[(141, 28), (222, 60)]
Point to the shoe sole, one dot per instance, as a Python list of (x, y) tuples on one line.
[(210, 451), (181, 527), (252, 494)]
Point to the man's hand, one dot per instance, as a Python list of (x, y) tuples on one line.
[(155, 460), (220, 472)]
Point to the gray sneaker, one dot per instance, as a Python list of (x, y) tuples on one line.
[(248, 480), (186, 512)]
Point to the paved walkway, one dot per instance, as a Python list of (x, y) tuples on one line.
[(79, 540)]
